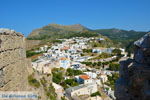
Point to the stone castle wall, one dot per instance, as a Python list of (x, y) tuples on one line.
[(32, 44), (13, 62)]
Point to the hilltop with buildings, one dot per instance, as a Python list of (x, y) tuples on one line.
[(74, 68), (79, 70), (50, 33)]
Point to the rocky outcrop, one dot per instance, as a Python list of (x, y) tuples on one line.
[(13, 62), (134, 81)]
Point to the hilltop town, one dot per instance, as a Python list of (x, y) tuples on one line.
[(74, 50), (79, 70), (75, 68)]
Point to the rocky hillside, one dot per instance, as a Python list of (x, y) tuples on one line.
[(123, 37), (53, 31), (121, 34)]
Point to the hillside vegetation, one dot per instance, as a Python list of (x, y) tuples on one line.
[(55, 31), (52, 32), (122, 37)]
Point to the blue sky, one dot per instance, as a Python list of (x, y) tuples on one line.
[(26, 15)]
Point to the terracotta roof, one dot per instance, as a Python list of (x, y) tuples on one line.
[(63, 58), (85, 77), (65, 48)]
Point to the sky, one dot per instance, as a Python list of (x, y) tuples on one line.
[(27, 15)]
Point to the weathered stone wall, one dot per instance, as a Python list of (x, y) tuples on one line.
[(15, 67), (13, 62), (32, 44)]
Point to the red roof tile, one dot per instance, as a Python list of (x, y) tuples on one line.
[(85, 77)]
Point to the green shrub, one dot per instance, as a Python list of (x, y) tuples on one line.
[(95, 94), (111, 80), (87, 50), (31, 53), (71, 82), (63, 98), (33, 82), (57, 74), (114, 67), (72, 72), (51, 92)]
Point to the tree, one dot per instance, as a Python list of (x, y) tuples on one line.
[(95, 94), (69, 72), (117, 52), (114, 66), (72, 72), (87, 50), (63, 98), (33, 82), (112, 79), (71, 82), (99, 63), (58, 75), (94, 64), (104, 55)]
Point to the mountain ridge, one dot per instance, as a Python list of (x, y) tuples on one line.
[(124, 38), (80, 28), (57, 29)]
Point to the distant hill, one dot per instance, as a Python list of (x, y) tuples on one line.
[(123, 37), (53, 31)]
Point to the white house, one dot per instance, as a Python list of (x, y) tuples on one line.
[(84, 89), (64, 62), (91, 74), (83, 79), (104, 78), (102, 50), (45, 48)]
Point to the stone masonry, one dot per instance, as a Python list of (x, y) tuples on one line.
[(13, 62)]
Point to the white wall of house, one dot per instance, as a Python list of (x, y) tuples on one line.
[(87, 90), (104, 78), (92, 75), (64, 63), (88, 81)]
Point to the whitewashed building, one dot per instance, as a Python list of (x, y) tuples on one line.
[(64, 62), (104, 78), (84, 89), (91, 74)]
